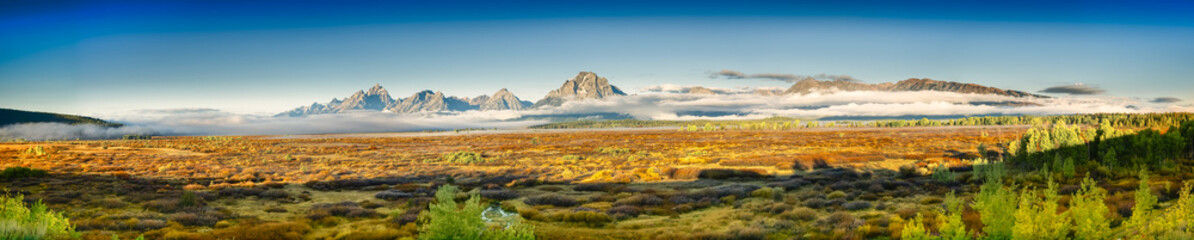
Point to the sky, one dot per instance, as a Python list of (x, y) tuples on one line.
[(264, 57)]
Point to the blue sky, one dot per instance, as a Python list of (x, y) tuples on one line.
[(97, 57)]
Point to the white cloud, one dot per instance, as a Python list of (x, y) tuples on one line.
[(652, 106)]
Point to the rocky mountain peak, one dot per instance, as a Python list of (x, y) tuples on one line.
[(585, 85), (503, 100)]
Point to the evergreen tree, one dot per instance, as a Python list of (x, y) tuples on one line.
[(1089, 212)]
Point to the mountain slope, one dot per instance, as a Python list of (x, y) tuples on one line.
[(807, 86), (503, 100), (377, 98), (13, 116), (585, 85)]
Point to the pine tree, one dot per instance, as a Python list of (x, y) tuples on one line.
[(1089, 212), (1143, 211), (952, 227), (994, 203)]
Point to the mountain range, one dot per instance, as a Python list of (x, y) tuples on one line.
[(585, 85), (588, 85), (810, 85)]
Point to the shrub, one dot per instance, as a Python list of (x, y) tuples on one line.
[(263, 231), (777, 208), (592, 219), (613, 150), (640, 200), (942, 173), (499, 194), (762, 193), (240, 192), (194, 219), (168, 205), (840, 220), (908, 171), (595, 187), (342, 209), (11, 173), (392, 195), (789, 185), (930, 200), (188, 199), (857, 205), (722, 174), (464, 157), (551, 199), (800, 214), (625, 211), (275, 194), (820, 164), (738, 190), (816, 203), (409, 216), (836, 195), (33, 222)]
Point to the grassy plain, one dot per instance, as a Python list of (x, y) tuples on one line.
[(819, 183)]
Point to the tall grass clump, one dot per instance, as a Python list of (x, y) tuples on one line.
[(19, 222)]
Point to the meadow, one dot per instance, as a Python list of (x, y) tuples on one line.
[(1083, 177)]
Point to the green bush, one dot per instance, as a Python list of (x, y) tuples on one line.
[(613, 150), (21, 172), (36, 151), (942, 174), (445, 221), (464, 157), (34, 222)]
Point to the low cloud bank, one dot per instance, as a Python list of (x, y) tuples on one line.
[(223, 123), (666, 105), (662, 104), (62, 131)]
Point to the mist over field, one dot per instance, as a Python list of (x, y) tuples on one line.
[(651, 105)]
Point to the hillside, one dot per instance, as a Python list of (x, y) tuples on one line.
[(12, 116)]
